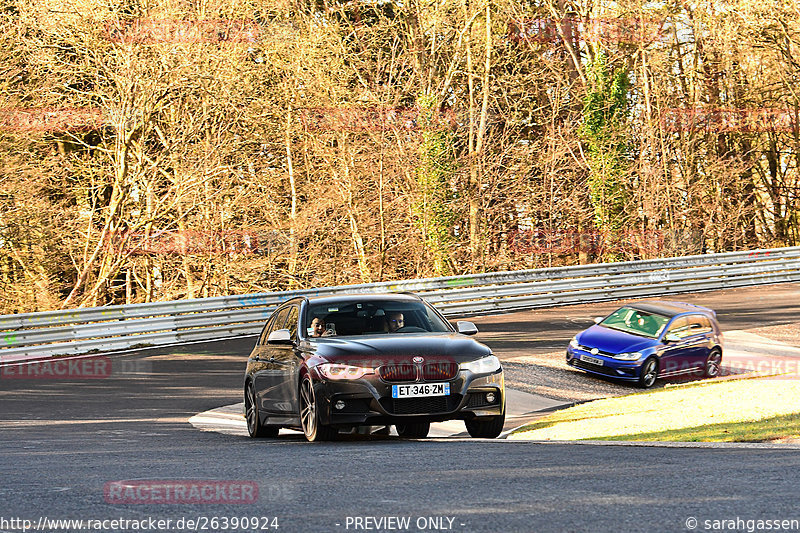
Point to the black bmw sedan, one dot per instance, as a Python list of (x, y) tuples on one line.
[(334, 363)]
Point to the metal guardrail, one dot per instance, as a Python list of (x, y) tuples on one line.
[(118, 327)]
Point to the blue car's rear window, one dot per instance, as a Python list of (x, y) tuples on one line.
[(636, 321)]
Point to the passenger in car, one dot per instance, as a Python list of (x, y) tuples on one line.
[(647, 323)]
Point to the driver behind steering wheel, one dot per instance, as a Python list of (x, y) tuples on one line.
[(395, 320)]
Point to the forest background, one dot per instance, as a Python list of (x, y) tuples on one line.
[(157, 150)]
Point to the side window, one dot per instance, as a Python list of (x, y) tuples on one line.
[(291, 324), (699, 324), (280, 319), (265, 332), (679, 327), (276, 321)]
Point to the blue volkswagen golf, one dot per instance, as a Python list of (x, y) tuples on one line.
[(644, 341)]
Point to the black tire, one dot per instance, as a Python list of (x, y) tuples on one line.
[(713, 364), (649, 373), (487, 427), (413, 430), (255, 428), (313, 429)]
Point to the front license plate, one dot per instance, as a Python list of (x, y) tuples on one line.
[(593, 360), (420, 390)]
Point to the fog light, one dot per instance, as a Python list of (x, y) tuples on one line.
[(339, 405), (490, 397)]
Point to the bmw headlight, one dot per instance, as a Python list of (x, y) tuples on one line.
[(484, 365), (628, 356), (337, 371), (574, 342)]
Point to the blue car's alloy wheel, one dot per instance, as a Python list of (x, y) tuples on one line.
[(649, 373), (713, 364)]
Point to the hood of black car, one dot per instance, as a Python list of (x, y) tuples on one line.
[(399, 347)]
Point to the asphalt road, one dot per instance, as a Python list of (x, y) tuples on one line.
[(63, 441)]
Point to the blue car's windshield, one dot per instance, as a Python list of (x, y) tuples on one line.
[(372, 317), (635, 321)]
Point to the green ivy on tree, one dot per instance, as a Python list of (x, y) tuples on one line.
[(605, 113), (437, 164)]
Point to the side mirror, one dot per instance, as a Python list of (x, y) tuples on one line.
[(672, 337), (280, 336), (598, 319), (466, 328)]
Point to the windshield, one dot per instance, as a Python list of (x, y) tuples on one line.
[(636, 321), (372, 317)]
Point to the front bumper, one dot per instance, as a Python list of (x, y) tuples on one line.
[(612, 368), (368, 401)]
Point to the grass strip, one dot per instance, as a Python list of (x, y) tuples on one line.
[(757, 431), (710, 410)]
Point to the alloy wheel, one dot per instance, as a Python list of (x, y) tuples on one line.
[(255, 428), (308, 407), (251, 412), (713, 364), (649, 374)]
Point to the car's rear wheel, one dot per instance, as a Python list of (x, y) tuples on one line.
[(649, 373), (255, 428), (713, 364), (487, 427), (313, 429), (413, 430)]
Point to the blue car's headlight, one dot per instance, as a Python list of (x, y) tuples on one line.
[(629, 356), (574, 342), (484, 365)]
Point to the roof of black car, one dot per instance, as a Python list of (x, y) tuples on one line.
[(669, 309), (367, 297)]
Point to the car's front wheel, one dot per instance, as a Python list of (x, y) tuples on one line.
[(649, 373), (413, 430), (255, 428), (313, 429), (713, 364), (488, 427)]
